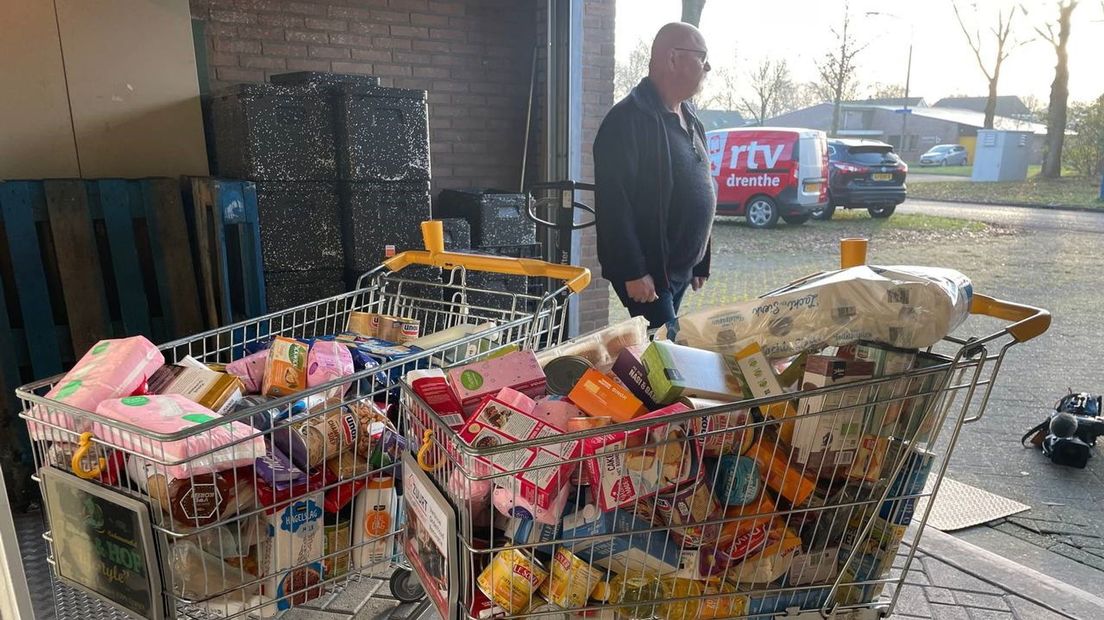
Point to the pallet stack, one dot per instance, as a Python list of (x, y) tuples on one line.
[(342, 170)]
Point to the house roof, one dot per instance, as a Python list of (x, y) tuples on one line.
[(1007, 105), (913, 102), (720, 119), (968, 118), (971, 118)]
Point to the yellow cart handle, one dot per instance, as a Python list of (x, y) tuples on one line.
[(1030, 321), (77, 463), (575, 278)]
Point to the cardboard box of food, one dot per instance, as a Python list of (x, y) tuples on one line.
[(625, 545), (518, 370), (542, 474), (292, 554), (599, 395), (884, 415), (632, 465), (828, 427), (630, 370), (217, 391), (675, 372), (433, 388)]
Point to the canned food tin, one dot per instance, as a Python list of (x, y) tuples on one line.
[(511, 580), (570, 582), (737, 480), (407, 330), (564, 372)]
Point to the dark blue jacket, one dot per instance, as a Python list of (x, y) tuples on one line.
[(632, 172)]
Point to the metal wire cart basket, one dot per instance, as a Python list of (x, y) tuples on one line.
[(278, 502), (794, 504)]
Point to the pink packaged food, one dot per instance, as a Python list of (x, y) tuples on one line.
[(250, 369), (111, 369), (234, 444), (518, 370), (556, 410), (633, 465), (329, 360), (542, 473)]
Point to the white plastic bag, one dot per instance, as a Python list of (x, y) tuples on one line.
[(906, 307)]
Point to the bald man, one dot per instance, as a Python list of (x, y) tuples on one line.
[(656, 198)]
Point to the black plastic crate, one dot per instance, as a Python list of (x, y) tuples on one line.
[(497, 291), (375, 215), (497, 218), (382, 133), (269, 132), (300, 225), (322, 78), (528, 250), (457, 233), (285, 289), (418, 283)]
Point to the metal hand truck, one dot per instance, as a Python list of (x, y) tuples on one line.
[(709, 511), (236, 544)]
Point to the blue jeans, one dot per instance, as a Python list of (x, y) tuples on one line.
[(659, 312)]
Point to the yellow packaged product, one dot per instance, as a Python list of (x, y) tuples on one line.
[(571, 581), (511, 580), (726, 602)]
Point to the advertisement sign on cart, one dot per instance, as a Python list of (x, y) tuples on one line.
[(430, 537), (103, 543)]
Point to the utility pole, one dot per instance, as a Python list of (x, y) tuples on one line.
[(908, 76), (905, 114)]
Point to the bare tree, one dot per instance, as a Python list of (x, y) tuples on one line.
[(628, 74), (766, 82), (692, 10), (721, 90), (1005, 44), (1036, 107), (837, 70), (1058, 37), (881, 90), (799, 96)]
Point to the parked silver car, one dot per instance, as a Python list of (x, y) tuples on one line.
[(944, 155)]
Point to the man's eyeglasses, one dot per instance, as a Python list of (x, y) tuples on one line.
[(703, 55)]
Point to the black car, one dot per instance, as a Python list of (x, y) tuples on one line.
[(863, 174)]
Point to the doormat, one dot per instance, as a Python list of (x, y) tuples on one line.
[(959, 506)]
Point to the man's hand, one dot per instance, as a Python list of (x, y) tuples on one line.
[(642, 290), (697, 283)]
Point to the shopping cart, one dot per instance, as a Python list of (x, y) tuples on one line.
[(677, 524), (146, 527)]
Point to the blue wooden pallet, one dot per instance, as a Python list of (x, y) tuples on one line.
[(226, 232)]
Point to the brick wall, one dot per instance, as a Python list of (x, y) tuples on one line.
[(598, 28), (474, 57)]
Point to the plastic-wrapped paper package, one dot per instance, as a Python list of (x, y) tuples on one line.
[(601, 347), (905, 307)]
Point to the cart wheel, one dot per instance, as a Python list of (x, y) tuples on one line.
[(406, 587)]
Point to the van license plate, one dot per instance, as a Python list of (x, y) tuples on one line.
[(809, 188), (882, 176)]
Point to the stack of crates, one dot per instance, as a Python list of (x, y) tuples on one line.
[(342, 170), (491, 222)]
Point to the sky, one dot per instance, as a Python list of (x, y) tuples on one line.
[(942, 63)]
